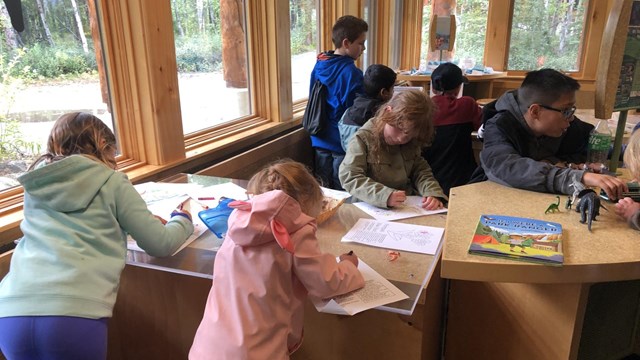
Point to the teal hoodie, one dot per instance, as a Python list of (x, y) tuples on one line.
[(77, 213)]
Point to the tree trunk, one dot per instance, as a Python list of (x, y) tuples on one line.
[(176, 12), (47, 33), (234, 50), (200, 12), (83, 38), (97, 48), (10, 34)]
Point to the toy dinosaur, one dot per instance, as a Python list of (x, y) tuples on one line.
[(569, 203), (588, 206), (553, 207)]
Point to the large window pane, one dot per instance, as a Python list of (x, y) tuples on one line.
[(547, 34), (424, 45), (304, 45), (49, 69), (211, 52), (471, 21)]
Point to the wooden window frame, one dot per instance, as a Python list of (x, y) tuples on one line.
[(139, 49)]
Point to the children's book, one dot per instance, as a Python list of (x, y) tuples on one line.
[(518, 238)]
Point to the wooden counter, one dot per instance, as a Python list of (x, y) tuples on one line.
[(479, 87), (160, 305), (534, 311)]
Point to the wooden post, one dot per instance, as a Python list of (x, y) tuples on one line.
[(97, 48), (234, 46)]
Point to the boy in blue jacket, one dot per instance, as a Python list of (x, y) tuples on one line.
[(337, 71)]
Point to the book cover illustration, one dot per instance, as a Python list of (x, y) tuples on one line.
[(518, 238)]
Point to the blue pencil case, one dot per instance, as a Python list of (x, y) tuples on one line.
[(216, 219)]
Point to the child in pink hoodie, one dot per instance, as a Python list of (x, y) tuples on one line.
[(269, 262)]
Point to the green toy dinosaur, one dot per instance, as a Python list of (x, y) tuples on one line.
[(553, 207)]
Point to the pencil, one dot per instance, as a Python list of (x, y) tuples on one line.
[(206, 198)]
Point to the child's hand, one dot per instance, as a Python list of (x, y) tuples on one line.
[(613, 186), (163, 221), (431, 203), (183, 213), (396, 198), (351, 257), (626, 207)]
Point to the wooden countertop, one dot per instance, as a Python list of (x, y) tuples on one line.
[(611, 252)]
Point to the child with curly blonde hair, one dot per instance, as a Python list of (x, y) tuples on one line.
[(627, 208), (384, 163)]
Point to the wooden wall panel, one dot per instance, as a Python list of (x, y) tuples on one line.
[(295, 146)]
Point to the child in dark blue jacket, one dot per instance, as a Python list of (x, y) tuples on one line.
[(378, 89)]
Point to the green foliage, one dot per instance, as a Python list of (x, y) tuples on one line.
[(304, 29), (44, 62), (546, 34), (12, 143), (471, 21), (199, 53)]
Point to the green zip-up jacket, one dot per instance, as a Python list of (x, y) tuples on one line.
[(77, 213), (372, 179)]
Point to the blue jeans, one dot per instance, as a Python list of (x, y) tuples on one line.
[(327, 165), (53, 338)]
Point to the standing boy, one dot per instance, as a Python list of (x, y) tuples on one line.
[(337, 71), (378, 89), (451, 152), (534, 138)]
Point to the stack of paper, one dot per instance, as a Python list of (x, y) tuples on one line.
[(377, 291)]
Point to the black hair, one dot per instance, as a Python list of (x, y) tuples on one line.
[(348, 27), (544, 86), (376, 78)]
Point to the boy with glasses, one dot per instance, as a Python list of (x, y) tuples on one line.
[(534, 137)]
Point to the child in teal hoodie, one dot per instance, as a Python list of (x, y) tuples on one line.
[(65, 271)]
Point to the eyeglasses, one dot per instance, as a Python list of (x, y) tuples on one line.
[(567, 113)]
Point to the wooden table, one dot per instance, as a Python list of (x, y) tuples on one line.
[(479, 87), (161, 301), (500, 308)]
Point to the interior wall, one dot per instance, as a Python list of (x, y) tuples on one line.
[(295, 145)]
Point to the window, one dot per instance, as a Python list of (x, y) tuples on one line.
[(211, 55), (547, 34), (424, 45), (303, 17), (53, 67), (471, 29)]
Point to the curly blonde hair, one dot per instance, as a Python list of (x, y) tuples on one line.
[(294, 179), (632, 155), (79, 133), (410, 110)]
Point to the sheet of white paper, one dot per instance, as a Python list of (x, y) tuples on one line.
[(377, 291), (336, 194), (228, 190), (152, 191), (163, 208), (397, 236), (412, 207)]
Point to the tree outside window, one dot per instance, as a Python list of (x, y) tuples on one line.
[(547, 33), (52, 67)]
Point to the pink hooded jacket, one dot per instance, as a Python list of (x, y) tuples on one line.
[(269, 261)]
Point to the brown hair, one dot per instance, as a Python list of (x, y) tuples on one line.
[(410, 110), (347, 27), (294, 179), (79, 133), (632, 154)]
